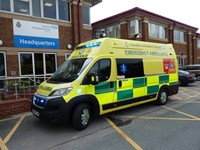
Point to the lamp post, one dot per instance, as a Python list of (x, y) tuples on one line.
[(181, 59)]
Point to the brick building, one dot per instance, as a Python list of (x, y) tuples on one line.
[(37, 35), (139, 24), (35, 38)]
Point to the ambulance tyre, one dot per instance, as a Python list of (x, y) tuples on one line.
[(81, 116), (162, 97)]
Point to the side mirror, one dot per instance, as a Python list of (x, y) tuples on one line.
[(93, 78)]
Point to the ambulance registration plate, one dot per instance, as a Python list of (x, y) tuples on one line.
[(35, 112)]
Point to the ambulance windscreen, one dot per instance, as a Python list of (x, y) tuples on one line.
[(69, 70)]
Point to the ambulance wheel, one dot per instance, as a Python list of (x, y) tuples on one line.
[(162, 97), (81, 116)]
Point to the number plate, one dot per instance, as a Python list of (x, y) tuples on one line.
[(35, 112)]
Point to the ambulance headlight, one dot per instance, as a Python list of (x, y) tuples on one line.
[(61, 92)]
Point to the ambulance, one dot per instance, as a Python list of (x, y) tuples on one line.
[(106, 75)]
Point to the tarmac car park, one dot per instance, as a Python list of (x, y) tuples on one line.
[(173, 126)]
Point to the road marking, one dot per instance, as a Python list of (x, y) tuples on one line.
[(124, 135), (178, 98), (181, 113), (192, 96), (186, 102), (2, 145), (159, 118), (7, 119), (13, 130)]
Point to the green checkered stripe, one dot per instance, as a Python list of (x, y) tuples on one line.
[(142, 82), (104, 87)]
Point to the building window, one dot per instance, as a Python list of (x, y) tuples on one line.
[(5, 5), (64, 10), (117, 30), (53, 9), (158, 31), (86, 15), (2, 64), (21, 7), (49, 8), (26, 64), (2, 68), (37, 63), (36, 7), (50, 63), (113, 31), (198, 43), (134, 27), (179, 36), (130, 68), (110, 31)]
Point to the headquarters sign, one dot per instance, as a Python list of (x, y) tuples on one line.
[(29, 34)]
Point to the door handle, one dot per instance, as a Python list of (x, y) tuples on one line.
[(111, 85), (120, 83)]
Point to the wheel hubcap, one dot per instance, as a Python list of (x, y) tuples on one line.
[(85, 116), (163, 97)]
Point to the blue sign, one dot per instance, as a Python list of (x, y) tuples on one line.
[(36, 42)]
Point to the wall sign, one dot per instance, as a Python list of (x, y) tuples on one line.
[(29, 34)]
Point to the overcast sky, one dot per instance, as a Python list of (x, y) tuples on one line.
[(184, 11)]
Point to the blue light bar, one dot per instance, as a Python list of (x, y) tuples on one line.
[(93, 45)]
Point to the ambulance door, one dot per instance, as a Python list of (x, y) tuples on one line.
[(104, 90), (131, 82)]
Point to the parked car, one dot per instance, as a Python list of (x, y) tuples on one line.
[(186, 77), (195, 68)]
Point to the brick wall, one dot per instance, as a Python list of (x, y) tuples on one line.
[(12, 107), (6, 32)]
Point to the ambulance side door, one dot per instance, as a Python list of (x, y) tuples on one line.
[(105, 88), (131, 82)]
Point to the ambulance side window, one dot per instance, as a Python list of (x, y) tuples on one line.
[(130, 68), (102, 68)]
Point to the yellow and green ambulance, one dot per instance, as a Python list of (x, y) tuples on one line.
[(106, 75)]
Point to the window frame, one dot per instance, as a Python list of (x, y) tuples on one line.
[(5, 64), (89, 16), (179, 32), (137, 27), (198, 43), (114, 31), (30, 9), (8, 5), (33, 63), (160, 33), (69, 11), (41, 10)]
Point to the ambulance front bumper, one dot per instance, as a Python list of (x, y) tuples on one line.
[(49, 108)]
